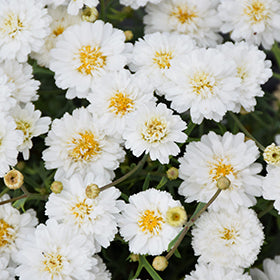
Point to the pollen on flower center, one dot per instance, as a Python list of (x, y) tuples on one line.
[(90, 59), (256, 11), (53, 263), (184, 14), (12, 25), (162, 59), (220, 169), (203, 84), (84, 146), (154, 130), (151, 223), (121, 104), (6, 233), (242, 73), (229, 234), (81, 210), (58, 30), (24, 127)]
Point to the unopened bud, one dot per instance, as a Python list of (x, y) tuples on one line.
[(56, 187), (271, 154), (90, 14), (13, 179), (172, 173), (176, 216), (134, 258), (223, 183), (92, 191), (128, 35), (160, 263)]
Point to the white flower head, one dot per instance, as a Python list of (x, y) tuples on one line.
[(14, 227), (256, 21), (271, 270), (95, 218), (60, 21), (143, 222), (216, 272), (154, 130), (205, 84), (78, 144), (116, 96), (214, 156), (23, 26), (135, 4), (6, 270), (231, 239), (153, 55), (55, 251), (85, 52), (252, 69), (29, 122), (196, 18), (10, 139)]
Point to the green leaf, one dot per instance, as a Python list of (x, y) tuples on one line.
[(172, 243), (139, 269), (177, 254), (276, 75), (276, 51), (147, 182), (198, 208), (162, 182), (149, 268), (19, 204)]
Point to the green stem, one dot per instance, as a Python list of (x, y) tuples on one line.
[(4, 191), (266, 210), (13, 199)]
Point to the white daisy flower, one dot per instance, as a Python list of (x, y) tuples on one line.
[(14, 227), (116, 96), (214, 156), (205, 84), (196, 18), (78, 144), (23, 26), (215, 272), (271, 270), (138, 3), (89, 216), (153, 55), (226, 238), (154, 130), (252, 69), (143, 222), (55, 251), (60, 21), (83, 53), (6, 89), (10, 139), (29, 122), (20, 79), (256, 21)]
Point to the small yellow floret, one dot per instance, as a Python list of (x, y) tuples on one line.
[(271, 154), (160, 263), (13, 179), (176, 216)]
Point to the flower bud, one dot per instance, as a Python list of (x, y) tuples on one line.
[(271, 154), (128, 35), (160, 263), (90, 14), (176, 216), (13, 179), (172, 173), (92, 191), (56, 187), (223, 183)]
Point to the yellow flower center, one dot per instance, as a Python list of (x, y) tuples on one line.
[(203, 84), (256, 11), (121, 104), (58, 30), (154, 130), (25, 127), (242, 72), (221, 169), (84, 147), (184, 14), (91, 59), (151, 223), (162, 59), (81, 210), (229, 234), (6, 233), (53, 263), (12, 25)]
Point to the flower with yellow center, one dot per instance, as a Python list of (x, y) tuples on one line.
[(53, 263), (150, 221), (220, 168), (271, 154), (81, 210), (256, 11), (184, 14), (121, 103), (7, 234), (229, 234), (162, 59), (12, 25)]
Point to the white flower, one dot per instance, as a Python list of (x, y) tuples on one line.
[(256, 21), (215, 272), (83, 53), (78, 144), (229, 155), (205, 84), (100, 271), (135, 4), (20, 79), (277, 139), (29, 122), (116, 96), (154, 55), (230, 239), (6, 89), (60, 21), (6, 271), (23, 26), (143, 222), (252, 69), (95, 218), (196, 18), (14, 227), (271, 270), (154, 130), (10, 138), (55, 251)]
